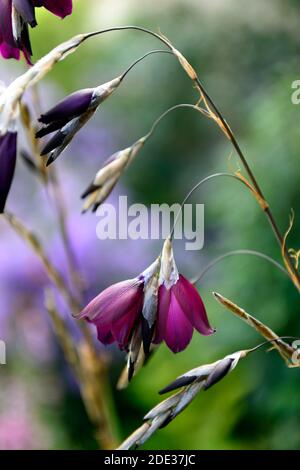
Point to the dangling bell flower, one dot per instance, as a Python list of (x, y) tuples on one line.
[(180, 307), (70, 115), (108, 176), (158, 305)]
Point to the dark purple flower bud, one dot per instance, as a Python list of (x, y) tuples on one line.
[(182, 381), (70, 115), (8, 153), (180, 307), (70, 107), (207, 375)]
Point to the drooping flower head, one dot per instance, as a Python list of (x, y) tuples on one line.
[(158, 305), (70, 115), (16, 16)]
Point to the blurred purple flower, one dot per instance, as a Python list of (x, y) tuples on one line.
[(20, 428)]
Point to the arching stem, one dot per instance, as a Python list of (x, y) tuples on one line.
[(234, 253)]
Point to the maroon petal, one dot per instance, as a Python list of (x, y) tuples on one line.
[(8, 153), (70, 107), (164, 299), (192, 305), (60, 8), (178, 330), (6, 22), (104, 335), (122, 329), (9, 52), (114, 302)]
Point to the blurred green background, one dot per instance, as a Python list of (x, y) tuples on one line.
[(247, 55)]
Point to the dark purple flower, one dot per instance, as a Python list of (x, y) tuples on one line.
[(8, 153), (159, 305), (10, 46), (60, 8), (15, 16), (69, 115)]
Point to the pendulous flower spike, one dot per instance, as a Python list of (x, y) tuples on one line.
[(70, 115)]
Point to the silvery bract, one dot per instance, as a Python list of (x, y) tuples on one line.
[(108, 176), (190, 383)]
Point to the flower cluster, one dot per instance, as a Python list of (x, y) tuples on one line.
[(16, 16), (70, 115), (158, 305), (10, 99)]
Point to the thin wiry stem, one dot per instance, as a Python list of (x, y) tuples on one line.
[(130, 27), (267, 210), (173, 108), (140, 59), (234, 253), (225, 127), (204, 180)]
